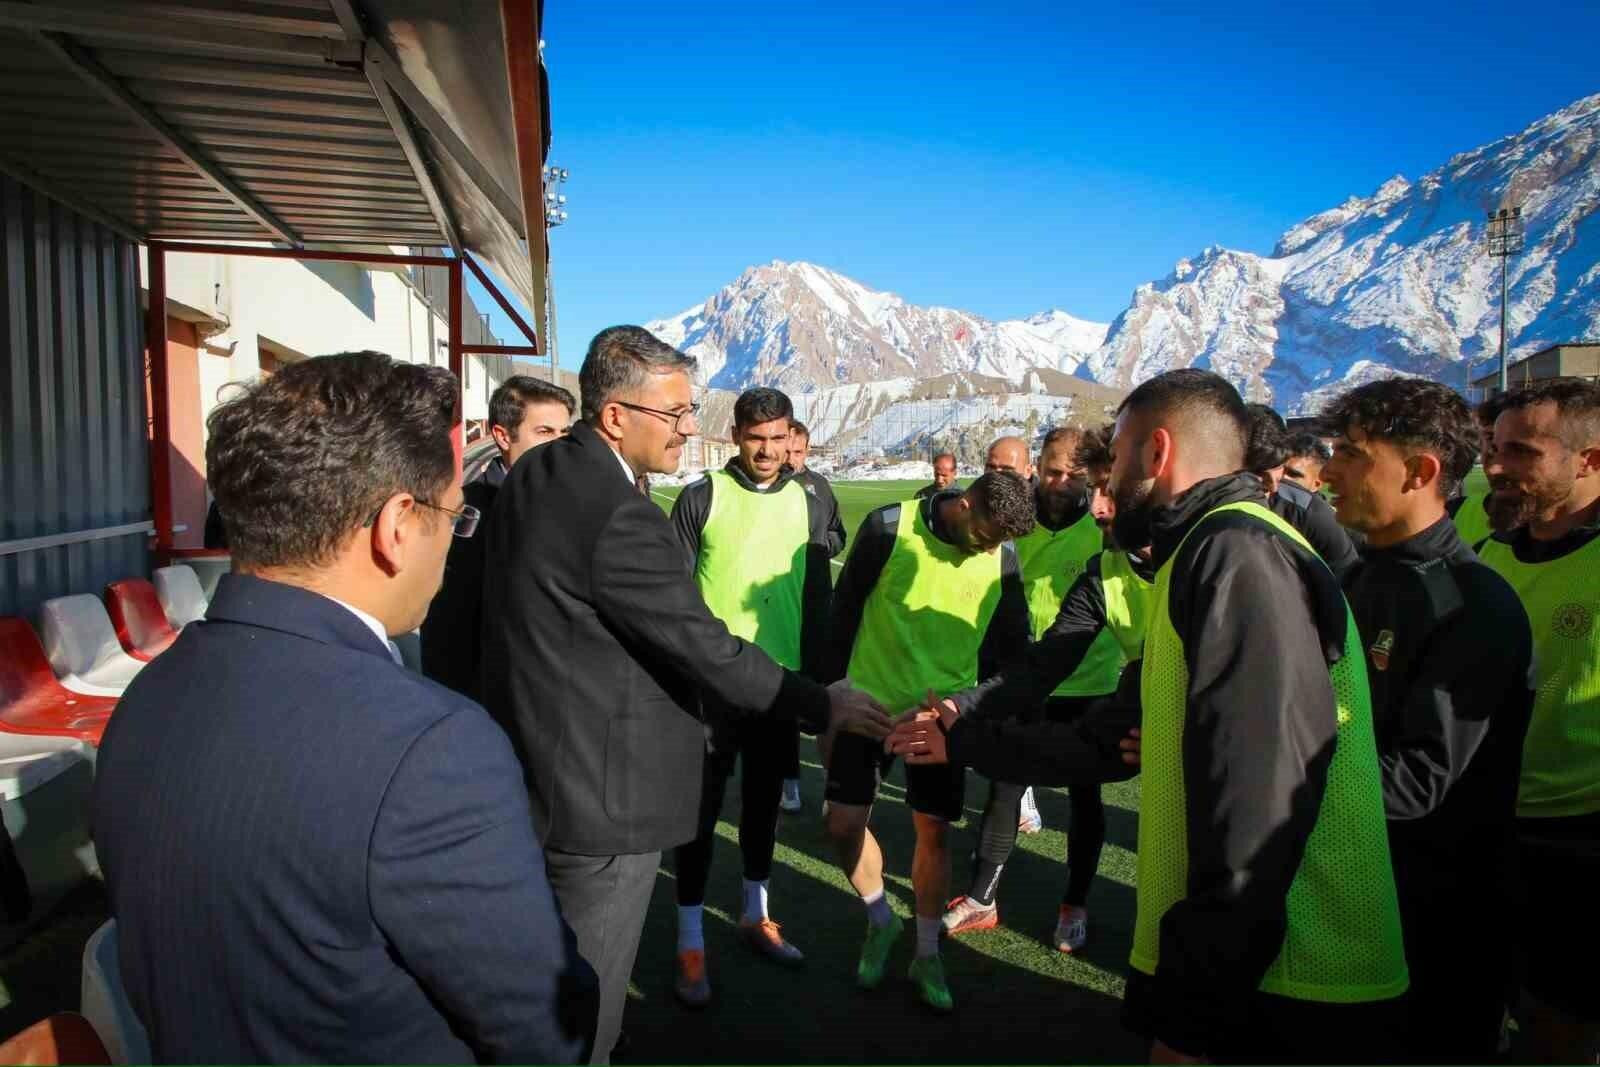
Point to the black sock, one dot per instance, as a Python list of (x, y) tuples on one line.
[(985, 881)]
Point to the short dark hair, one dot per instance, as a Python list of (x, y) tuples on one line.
[(299, 460), (1006, 499), (1094, 450), (1074, 434), (1189, 393), (1416, 415), (1577, 404), (620, 360), (1309, 444), (761, 404), (507, 403), (1489, 410), (798, 429), (1268, 446)]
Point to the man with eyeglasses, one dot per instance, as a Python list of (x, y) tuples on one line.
[(314, 855), (524, 413), (599, 646)]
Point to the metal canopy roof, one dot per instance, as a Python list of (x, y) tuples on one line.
[(338, 124)]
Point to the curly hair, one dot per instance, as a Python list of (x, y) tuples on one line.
[(1416, 415), (1006, 499), (1094, 449), (299, 460)]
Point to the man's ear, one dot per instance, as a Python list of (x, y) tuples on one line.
[(1158, 452), (1589, 462), (393, 532), (502, 439), (1422, 470)]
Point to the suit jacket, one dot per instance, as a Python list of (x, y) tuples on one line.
[(316, 855), (451, 634), (596, 646)]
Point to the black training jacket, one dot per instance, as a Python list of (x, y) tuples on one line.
[(1008, 632), (1317, 522), (1260, 619), (1449, 660), (689, 513), (818, 486)]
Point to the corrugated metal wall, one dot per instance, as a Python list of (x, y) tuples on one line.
[(73, 453)]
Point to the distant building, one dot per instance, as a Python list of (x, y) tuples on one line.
[(1574, 359)]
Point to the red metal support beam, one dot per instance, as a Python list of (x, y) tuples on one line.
[(457, 355), (520, 23), (155, 336), (501, 350), (505, 305)]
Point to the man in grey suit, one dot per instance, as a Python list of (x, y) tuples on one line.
[(598, 645)]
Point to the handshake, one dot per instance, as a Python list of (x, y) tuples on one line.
[(919, 735)]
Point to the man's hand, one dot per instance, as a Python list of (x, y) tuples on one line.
[(852, 711), (918, 738), (1130, 748), (1161, 1052)]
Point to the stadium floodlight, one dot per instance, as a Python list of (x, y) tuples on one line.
[(1505, 233)]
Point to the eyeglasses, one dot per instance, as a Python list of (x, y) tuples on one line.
[(675, 418), (463, 523)]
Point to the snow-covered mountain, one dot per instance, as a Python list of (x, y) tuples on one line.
[(801, 327), (1398, 281)]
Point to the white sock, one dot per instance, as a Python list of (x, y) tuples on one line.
[(691, 934), (878, 912), (755, 900), (928, 937)]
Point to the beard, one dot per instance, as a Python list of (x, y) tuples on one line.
[(1131, 525), (1511, 504), (1056, 504)]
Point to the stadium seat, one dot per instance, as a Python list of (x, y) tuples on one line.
[(65, 1037), (32, 701), (105, 1002), (137, 617), (83, 648), (178, 589), (28, 761)]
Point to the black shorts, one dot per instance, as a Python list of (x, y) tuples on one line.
[(858, 764), (1560, 925)]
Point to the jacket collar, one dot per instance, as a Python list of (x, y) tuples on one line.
[(1439, 541), (733, 470), (1171, 522), (251, 601)]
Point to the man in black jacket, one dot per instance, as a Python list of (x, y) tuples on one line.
[(816, 485), (598, 645), (931, 597), (1449, 654), (1268, 451), (1255, 938), (524, 413), (944, 476), (756, 543)]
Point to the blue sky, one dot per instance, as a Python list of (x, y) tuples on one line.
[(1003, 158)]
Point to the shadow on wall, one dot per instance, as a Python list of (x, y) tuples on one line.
[(350, 280)]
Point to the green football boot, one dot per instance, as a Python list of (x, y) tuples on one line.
[(927, 973), (875, 952)]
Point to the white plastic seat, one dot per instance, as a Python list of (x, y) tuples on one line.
[(178, 589), (83, 648), (105, 1002), (28, 761)]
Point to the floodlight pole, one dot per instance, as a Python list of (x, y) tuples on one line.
[(1505, 233)]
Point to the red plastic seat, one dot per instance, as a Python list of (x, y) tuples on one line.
[(140, 621), (65, 1037), (32, 701)]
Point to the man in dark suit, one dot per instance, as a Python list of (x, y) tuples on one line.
[(597, 645), (524, 413), (314, 855)]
